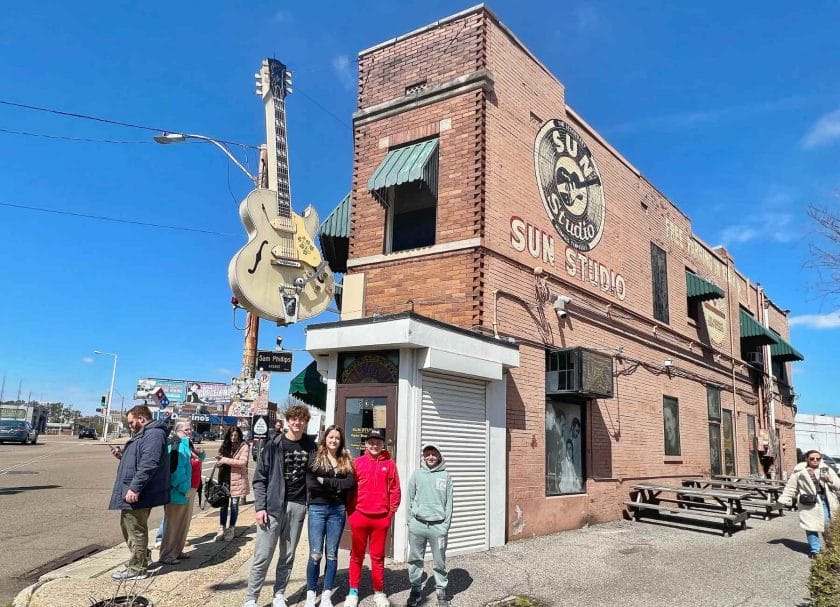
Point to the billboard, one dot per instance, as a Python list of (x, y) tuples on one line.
[(185, 391), (208, 393), (175, 389)]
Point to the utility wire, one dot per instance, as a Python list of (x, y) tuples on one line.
[(114, 219), (65, 138)]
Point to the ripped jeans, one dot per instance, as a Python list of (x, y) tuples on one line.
[(325, 526)]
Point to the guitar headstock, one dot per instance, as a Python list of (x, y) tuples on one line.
[(273, 80)]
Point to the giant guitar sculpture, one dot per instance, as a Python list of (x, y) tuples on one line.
[(279, 274)]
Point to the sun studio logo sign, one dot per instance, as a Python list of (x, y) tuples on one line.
[(570, 185)]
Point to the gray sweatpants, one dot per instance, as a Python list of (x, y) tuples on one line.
[(418, 535), (284, 531)]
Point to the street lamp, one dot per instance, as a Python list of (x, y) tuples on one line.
[(110, 393), (165, 138)]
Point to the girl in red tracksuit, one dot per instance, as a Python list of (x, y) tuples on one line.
[(371, 509)]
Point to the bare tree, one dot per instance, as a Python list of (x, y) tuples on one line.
[(825, 253)]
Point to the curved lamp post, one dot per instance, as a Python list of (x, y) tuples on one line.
[(181, 137), (110, 393)]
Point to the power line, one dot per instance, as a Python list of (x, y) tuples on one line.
[(65, 138), (114, 219)]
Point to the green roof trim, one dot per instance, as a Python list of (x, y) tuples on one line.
[(337, 223), (754, 332), (784, 351), (415, 162), (308, 387), (701, 289)]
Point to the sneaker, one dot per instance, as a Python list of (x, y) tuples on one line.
[(250, 603), (229, 533), (310, 599), (352, 600), (127, 575), (183, 556), (220, 535), (172, 562), (442, 601), (380, 600), (279, 600), (326, 598), (415, 598)]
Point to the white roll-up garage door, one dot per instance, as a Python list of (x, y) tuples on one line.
[(454, 416)]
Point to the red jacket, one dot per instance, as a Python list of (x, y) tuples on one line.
[(377, 485)]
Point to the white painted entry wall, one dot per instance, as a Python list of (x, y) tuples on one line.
[(454, 416)]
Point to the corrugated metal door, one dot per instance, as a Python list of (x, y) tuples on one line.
[(454, 416)]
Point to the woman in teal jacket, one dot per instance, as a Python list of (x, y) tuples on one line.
[(177, 511), (429, 516)]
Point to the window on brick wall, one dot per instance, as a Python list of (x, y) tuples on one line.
[(713, 405), (659, 276), (753, 446), (564, 469), (728, 442), (671, 423)]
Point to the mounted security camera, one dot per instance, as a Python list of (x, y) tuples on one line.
[(560, 302), (279, 342)]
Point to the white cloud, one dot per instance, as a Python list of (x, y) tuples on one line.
[(818, 321), (225, 372), (87, 360), (768, 227), (826, 130), (344, 70)]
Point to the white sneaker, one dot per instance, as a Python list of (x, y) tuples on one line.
[(229, 533), (380, 600), (310, 599), (326, 598), (220, 535), (250, 603), (352, 600), (279, 600)]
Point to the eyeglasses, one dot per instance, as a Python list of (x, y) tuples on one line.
[(814, 459)]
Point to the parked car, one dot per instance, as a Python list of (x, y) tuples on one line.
[(17, 431), (88, 433), (211, 435), (830, 462), (196, 437)]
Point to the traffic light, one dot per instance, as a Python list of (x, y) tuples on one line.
[(103, 400)]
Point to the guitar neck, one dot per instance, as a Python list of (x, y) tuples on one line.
[(278, 155)]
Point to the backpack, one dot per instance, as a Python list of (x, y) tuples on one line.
[(174, 443)]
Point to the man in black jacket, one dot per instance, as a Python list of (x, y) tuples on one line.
[(142, 483), (280, 503)]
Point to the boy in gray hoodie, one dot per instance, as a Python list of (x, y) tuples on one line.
[(429, 516)]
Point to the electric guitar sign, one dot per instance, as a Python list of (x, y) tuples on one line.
[(279, 274)]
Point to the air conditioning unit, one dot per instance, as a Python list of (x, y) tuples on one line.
[(755, 358)]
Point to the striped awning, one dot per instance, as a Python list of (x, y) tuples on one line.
[(753, 332), (415, 162), (784, 351), (308, 387), (700, 289)]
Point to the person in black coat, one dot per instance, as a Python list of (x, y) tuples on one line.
[(142, 483)]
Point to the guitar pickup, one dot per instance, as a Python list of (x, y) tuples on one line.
[(288, 263)]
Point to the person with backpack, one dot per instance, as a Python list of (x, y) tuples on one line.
[(815, 487), (280, 504), (329, 481), (178, 511), (429, 516), (232, 461), (372, 509)]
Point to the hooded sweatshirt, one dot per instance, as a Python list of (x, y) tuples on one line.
[(378, 485), (430, 494)]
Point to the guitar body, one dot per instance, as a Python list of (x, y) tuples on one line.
[(273, 259)]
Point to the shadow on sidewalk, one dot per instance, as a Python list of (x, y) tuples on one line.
[(396, 581), (207, 552), (795, 545)]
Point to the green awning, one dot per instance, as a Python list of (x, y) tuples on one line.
[(416, 162), (308, 387), (700, 289), (754, 333), (334, 236), (784, 351)]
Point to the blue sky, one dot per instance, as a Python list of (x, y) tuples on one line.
[(732, 110)]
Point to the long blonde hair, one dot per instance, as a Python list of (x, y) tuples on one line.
[(321, 460)]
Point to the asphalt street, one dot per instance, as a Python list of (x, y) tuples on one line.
[(54, 499)]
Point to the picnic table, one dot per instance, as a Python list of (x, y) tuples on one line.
[(763, 497), (724, 504), (751, 479)]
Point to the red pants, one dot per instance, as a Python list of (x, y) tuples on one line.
[(362, 529)]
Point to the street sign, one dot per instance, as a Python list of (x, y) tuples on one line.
[(259, 426), (274, 362)]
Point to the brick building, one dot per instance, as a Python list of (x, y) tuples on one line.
[(516, 290)]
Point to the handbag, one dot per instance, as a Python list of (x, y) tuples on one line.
[(215, 493), (807, 500)]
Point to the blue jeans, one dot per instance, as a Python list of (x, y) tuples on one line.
[(814, 543), (325, 525), (234, 513)]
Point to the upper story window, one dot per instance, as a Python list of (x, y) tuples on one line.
[(406, 183), (659, 275)]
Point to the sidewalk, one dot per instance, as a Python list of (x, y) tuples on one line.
[(616, 564)]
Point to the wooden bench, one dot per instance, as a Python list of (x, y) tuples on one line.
[(763, 498), (722, 504)]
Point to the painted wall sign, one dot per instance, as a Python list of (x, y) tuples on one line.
[(570, 185), (540, 245)]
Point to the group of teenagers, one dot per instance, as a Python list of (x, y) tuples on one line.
[(297, 480)]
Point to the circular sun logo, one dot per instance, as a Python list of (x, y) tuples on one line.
[(570, 185)]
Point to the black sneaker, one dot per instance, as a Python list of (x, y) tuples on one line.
[(415, 598), (127, 575)]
